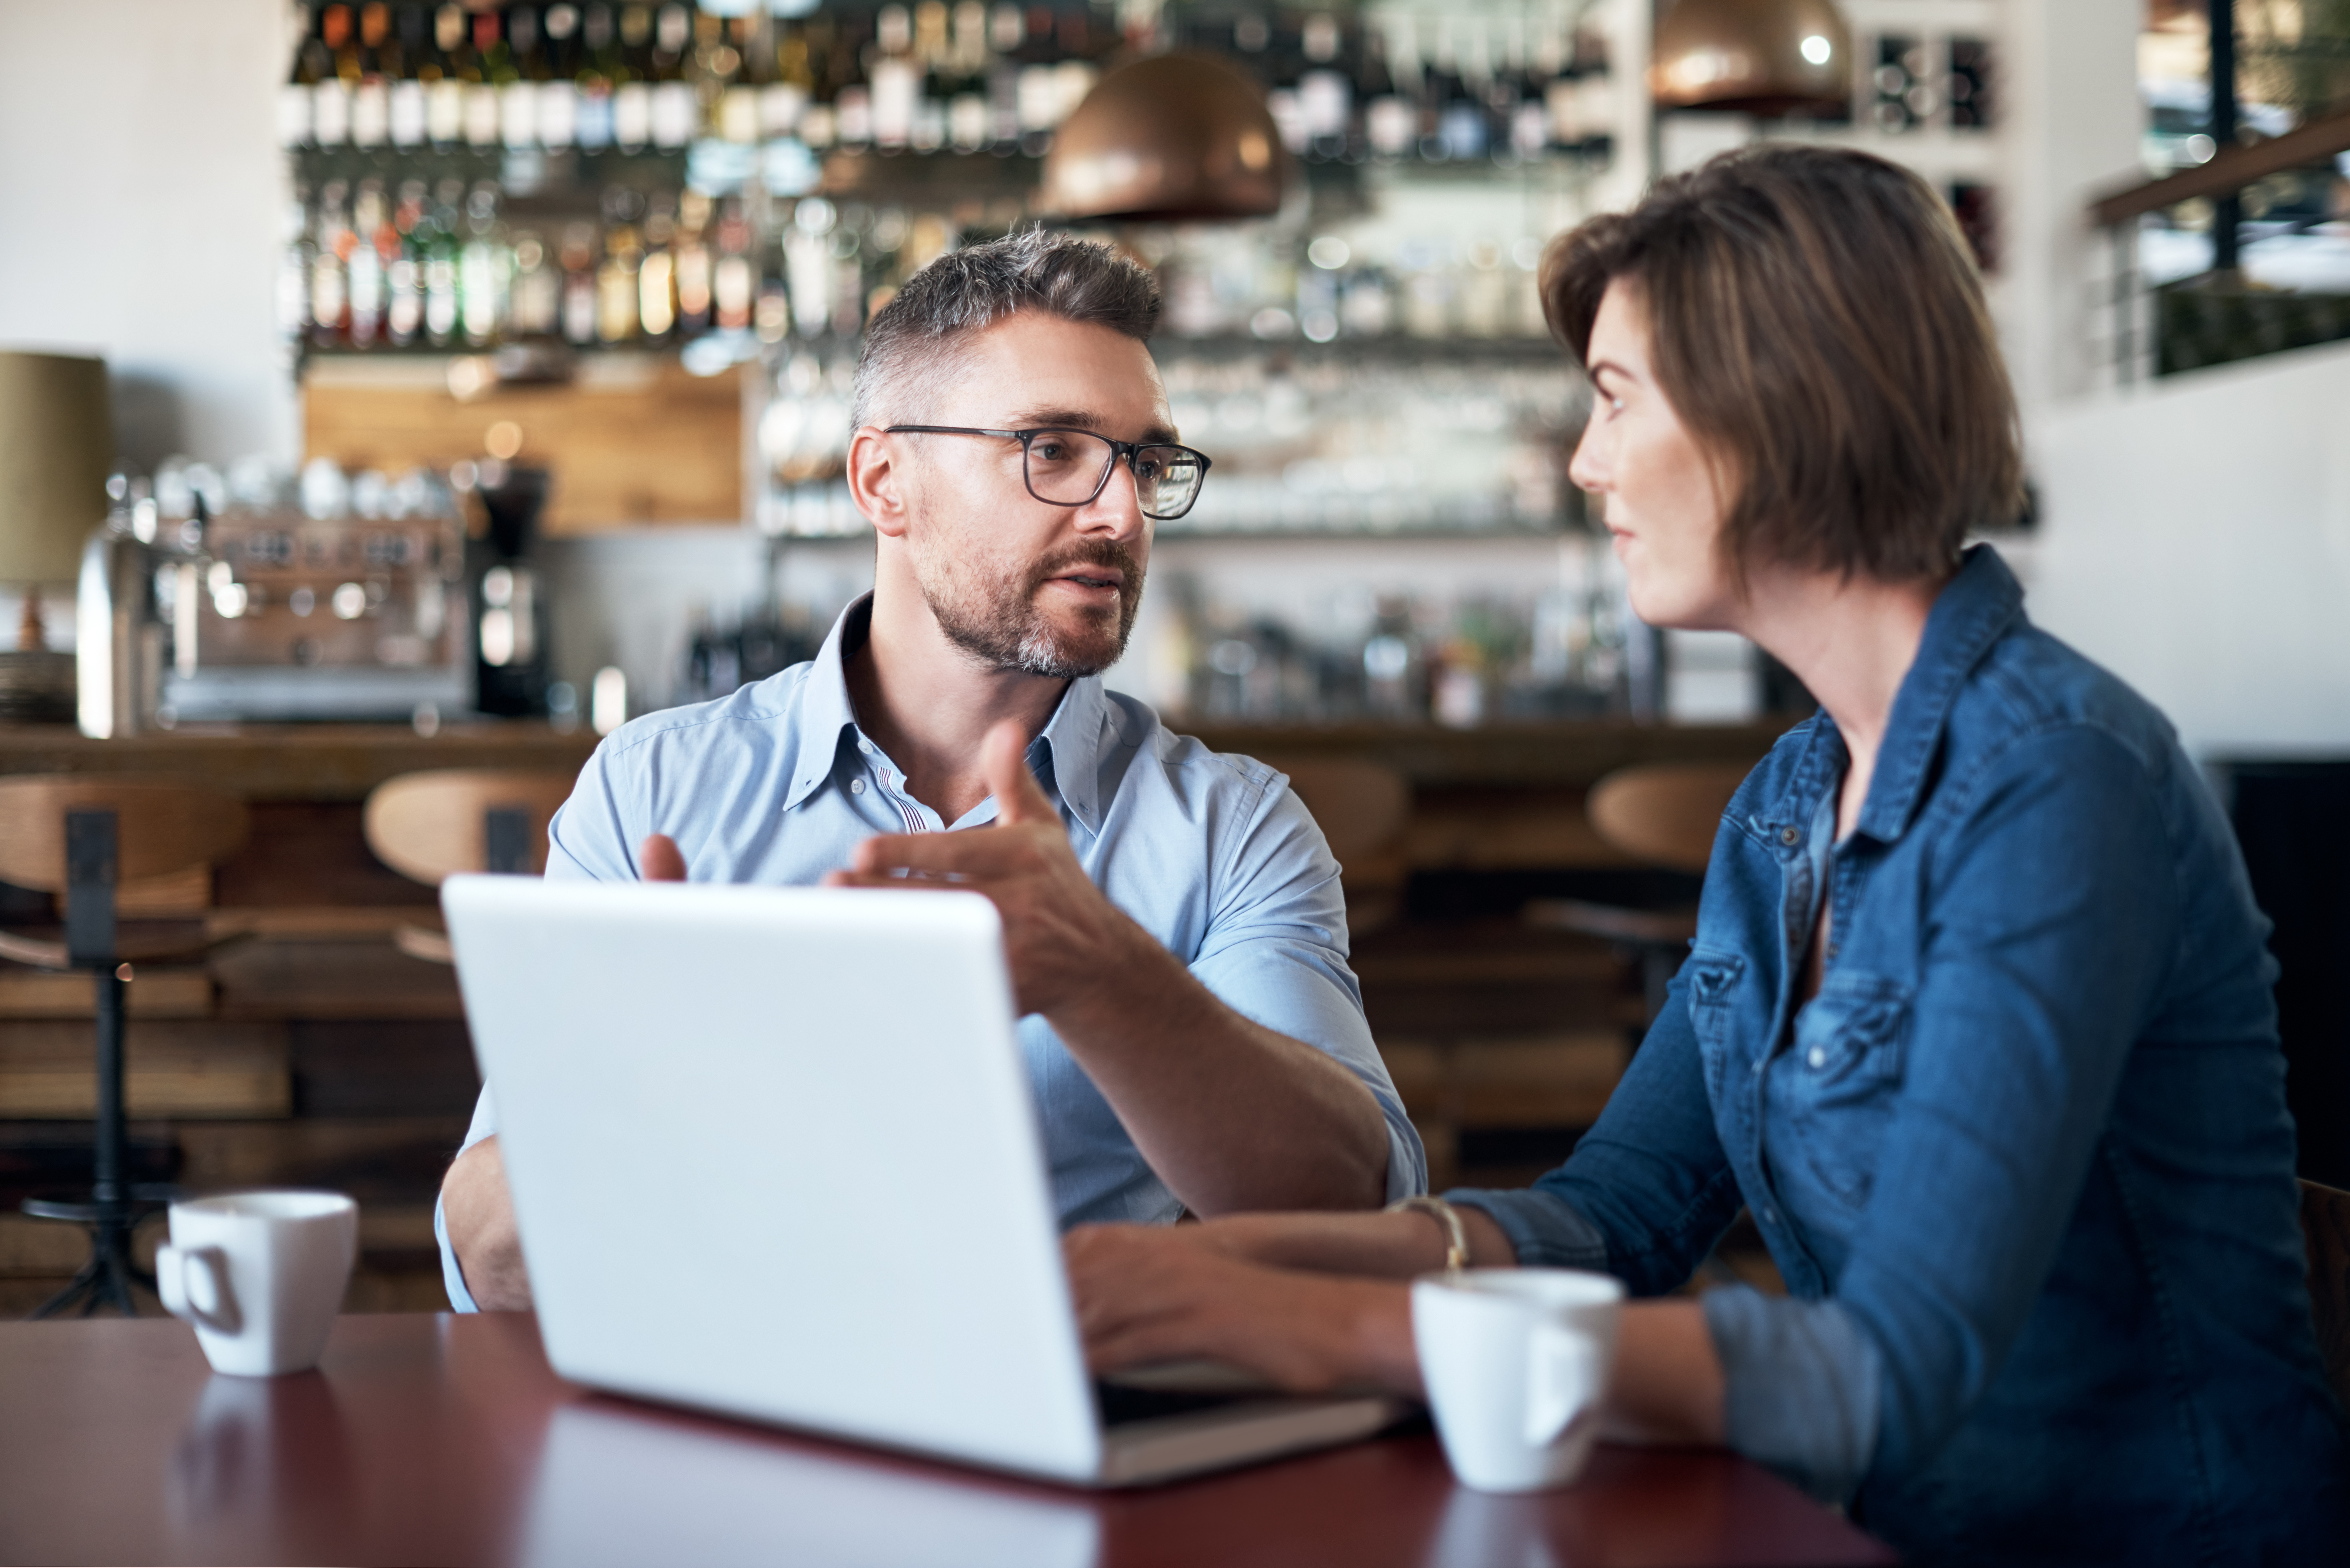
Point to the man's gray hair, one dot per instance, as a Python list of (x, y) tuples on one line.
[(909, 339)]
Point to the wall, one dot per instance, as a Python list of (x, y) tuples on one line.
[(2197, 543), (143, 197)]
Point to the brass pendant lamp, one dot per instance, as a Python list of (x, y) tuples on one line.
[(1765, 57), (1178, 136)]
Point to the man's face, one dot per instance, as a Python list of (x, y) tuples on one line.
[(1015, 582)]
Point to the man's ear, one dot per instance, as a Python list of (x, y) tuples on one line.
[(875, 483)]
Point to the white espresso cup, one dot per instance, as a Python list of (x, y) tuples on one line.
[(260, 1275), (1516, 1364)]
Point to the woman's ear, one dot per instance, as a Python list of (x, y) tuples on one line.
[(875, 483)]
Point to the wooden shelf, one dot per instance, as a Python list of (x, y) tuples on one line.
[(291, 762)]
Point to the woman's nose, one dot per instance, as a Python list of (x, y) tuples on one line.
[(1588, 469)]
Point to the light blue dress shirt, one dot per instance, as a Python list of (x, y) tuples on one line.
[(1211, 853)]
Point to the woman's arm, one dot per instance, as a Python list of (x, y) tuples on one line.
[(1148, 1293)]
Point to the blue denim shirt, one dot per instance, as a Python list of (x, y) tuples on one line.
[(2024, 1160), (1212, 853)]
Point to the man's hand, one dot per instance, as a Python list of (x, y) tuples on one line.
[(475, 1203), (1147, 1293), (1065, 943)]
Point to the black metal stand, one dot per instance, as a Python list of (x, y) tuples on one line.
[(114, 1206)]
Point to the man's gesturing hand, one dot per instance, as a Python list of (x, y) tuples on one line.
[(1065, 942)]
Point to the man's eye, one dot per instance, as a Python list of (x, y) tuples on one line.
[(1150, 467), (1049, 451)]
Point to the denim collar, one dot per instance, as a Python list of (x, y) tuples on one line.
[(1974, 610), (1065, 757)]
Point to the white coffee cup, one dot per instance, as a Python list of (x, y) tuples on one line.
[(1516, 1364), (260, 1275)]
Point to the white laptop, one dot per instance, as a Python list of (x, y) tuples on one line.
[(774, 1153)]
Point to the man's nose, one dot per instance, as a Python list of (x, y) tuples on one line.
[(1119, 508)]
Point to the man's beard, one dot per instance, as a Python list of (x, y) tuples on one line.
[(998, 623)]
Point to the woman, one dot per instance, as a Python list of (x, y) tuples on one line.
[(1977, 1023)]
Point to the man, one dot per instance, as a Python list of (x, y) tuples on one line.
[(1172, 918)]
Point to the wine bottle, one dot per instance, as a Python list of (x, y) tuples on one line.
[(444, 88), (657, 271), (616, 285), (693, 264), (632, 92), (578, 258), (481, 91), (484, 270), (330, 100), (364, 279), (403, 308), (408, 116), (675, 114), (735, 280), (597, 73), (556, 69), (371, 93), (296, 99)]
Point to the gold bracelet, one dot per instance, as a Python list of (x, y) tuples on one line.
[(1456, 1236)]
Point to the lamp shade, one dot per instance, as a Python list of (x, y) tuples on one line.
[(1757, 57), (57, 444), (1174, 136)]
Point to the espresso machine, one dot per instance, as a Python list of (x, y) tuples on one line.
[(349, 604)]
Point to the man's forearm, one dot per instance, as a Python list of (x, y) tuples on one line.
[(1232, 1115), (479, 1212)]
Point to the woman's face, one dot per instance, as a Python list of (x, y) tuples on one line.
[(1661, 502)]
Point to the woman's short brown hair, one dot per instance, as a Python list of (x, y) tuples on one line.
[(1816, 321)]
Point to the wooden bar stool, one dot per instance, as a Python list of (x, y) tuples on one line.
[(428, 826), (1660, 814), (83, 838), (1362, 808)]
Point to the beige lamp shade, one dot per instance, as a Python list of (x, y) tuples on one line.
[(57, 445), (1766, 57), (1174, 136)]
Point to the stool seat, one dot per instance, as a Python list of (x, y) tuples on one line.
[(135, 941)]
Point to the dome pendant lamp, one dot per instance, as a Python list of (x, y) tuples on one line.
[(1178, 136), (1763, 57)]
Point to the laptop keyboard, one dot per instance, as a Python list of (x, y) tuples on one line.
[(1121, 1404)]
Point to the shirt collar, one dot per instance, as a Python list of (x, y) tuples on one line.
[(1066, 756), (1973, 611), (824, 708)]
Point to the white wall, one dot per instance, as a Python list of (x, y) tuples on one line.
[(2198, 544), (141, 195)]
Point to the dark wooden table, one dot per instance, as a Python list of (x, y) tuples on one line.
[(446, 1439)]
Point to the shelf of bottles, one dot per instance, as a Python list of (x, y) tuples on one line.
[(736, 183)]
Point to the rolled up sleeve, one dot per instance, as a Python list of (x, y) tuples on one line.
[(1275, 953)]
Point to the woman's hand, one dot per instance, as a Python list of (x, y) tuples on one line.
[(1148, 1294)]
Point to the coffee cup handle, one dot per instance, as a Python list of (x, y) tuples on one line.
[(193, 1284), (1564, 1369)]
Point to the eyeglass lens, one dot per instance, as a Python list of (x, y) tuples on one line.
[(1069, 468)]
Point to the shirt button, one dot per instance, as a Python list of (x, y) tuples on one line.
[(857, 786), (1818, 1058), (1770, 1216), (865, 746), (1791, 837), (1758, 1069)]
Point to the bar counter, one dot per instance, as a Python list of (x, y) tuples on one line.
[(343, 761)]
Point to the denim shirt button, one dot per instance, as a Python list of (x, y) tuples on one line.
[(1818, 1058), (857, 786), (1791, 837)]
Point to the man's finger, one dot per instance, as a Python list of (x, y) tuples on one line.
[(659, 859), (977, 851), (1004, 764)]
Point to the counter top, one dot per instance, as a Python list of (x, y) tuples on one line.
[(291, 762), (344, 762)]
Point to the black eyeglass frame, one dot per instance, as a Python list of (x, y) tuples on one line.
[(1125, 450)]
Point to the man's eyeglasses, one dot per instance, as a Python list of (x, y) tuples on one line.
[(1069, 468)]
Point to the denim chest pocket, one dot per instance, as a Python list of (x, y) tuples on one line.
[(1845, 1071)]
